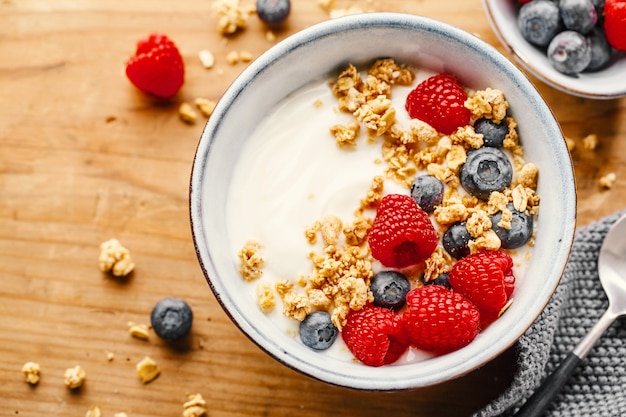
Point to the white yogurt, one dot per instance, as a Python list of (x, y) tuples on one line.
[(290, 174)]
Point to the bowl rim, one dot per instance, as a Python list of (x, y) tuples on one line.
[(566, 84), (319, 31)]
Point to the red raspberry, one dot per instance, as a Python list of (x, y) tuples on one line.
[(157, 67), (402, 234), (487, 279), (615, 23), (440, 320), (375, 335), (440, 102)]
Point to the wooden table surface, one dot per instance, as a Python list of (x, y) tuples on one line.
[(85, 157)]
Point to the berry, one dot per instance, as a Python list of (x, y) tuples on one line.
[(569, 52), (402, 233), (578, 15), (273, 12), (539, 21), (615, 23), (375, 335), (157, 67), (486, 170), (171, 319), (440, 102), (520, 231), (486, 279), (389, 289), (456, 240), (600, 50), (442, 280), (317, 331), (493, 133), (427, 191), (440, 320)]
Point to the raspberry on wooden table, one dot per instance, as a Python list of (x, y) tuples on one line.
[(485, 278), (375, 335), (402, 234), (157, 67), (439, 320), (440, 102)]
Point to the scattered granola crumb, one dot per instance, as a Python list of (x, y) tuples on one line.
[(270, 36), (353, 9), (607, 181), (265, 297), (195, 406), (110, 356), (331, 229), (252, 262), (245, 56), (74, 377), (94, 411), (571, 143), (231, 17), (139, 331), (590, 142), (31, 372), (326, 4), (206, 58), (187, 113), (121, 414), (147, 369), (232, 57), (205, 106), (115, 258)]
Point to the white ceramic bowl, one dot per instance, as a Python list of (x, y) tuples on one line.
[(319, 52), (607, 83)]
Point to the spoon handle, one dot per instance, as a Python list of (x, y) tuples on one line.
[(539, 401)]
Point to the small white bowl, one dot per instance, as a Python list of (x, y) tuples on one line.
[(319, 52), (607, 83)]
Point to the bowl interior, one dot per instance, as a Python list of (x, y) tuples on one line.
[(607, 83), (316, 53)]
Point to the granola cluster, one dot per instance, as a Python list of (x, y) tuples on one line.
[(342, 270)]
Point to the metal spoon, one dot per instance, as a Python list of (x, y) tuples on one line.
[(612, 271)]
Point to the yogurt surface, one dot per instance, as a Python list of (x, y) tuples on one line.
[(291, 173)]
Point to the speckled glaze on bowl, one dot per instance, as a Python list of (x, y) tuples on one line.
[(319, 52), (607, 83)]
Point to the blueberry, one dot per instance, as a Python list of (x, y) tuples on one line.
[(456, 240), (317, 331), (493, 133), (427, 191), (578, 15), (273, 12), (389, 289), (539, 21), (486, 170), (521, 228), (442, 280), (171, 319), (569, 52), (600, 50)]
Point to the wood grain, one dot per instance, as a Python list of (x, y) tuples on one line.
[(84, 157)]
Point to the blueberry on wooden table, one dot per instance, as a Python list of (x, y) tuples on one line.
[(171, 319), (273, 12)]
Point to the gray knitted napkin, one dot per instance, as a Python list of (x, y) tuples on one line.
[(598, 387)]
